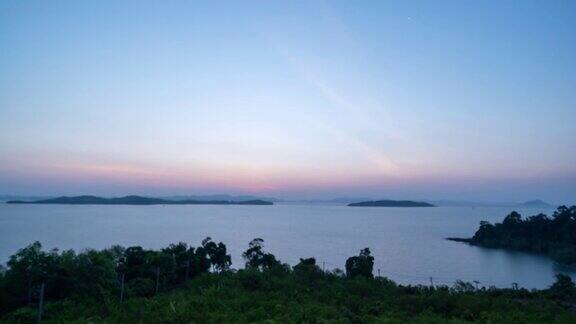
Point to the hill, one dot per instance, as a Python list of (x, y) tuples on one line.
[(537, 203), (135, 200), (391, 203)]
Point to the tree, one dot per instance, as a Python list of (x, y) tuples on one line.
[(182, 256), (162, 264), (306, 263), (462, 287), (554, 236), (133, 262), (94, 273), (27, 268), (512, 220), (563, 288), (486, 231), (253, 255), (308, 270), (219, 258), (256, 258), (361, 265)]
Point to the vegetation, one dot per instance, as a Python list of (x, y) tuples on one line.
[(362, 265), (136, 200), (391, 203), (554, 236), (184, 284)]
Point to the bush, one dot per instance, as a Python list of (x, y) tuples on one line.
[(140, 287), (361, 265), (250, 279)]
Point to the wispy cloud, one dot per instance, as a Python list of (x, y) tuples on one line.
[(340, 100)]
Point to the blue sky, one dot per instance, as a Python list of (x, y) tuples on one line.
[(312, 99)]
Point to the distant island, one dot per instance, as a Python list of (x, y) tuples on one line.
[(135, 200), (219, 197), (537, 203), (555, 237), (391, 203)]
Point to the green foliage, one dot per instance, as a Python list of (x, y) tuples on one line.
[(256, 258), (361, 265), (563, 288), (219, 258), (251, 279), (266, 291), (140, 287), (554, 236), (283, 298), (95, 274)]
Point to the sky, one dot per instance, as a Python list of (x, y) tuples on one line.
[(461, 100)]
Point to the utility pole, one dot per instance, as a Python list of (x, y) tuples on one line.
[(40, 304), (378, 272), (122, 287), (157, 279), (323, 266), (431, 282)]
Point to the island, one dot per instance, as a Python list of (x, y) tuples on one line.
[(537, 203), (552, 236), (391, 203), (135, 200)]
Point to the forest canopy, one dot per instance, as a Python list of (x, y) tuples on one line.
[(181, 283), (554, 236)]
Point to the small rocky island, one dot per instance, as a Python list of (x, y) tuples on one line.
[(391, 203), (135, 200)]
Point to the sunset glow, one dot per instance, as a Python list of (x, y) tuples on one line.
[(289, 99)]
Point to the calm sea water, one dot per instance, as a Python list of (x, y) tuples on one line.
[(408, 243)]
